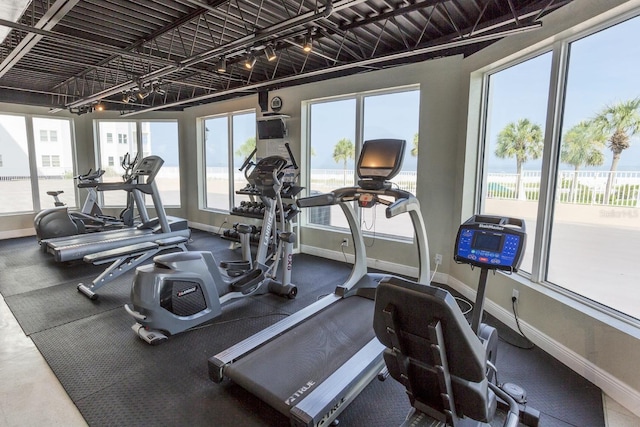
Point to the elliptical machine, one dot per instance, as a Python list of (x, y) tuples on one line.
[(182, 290), (60, 221)]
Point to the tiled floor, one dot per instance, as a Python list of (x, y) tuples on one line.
[(30, 394)]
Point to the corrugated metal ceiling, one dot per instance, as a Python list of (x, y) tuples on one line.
[(147, 55)]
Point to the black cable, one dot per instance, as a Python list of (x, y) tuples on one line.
[(220, 228), (515, 315)]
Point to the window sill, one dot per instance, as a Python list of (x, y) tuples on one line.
[(615, 319)]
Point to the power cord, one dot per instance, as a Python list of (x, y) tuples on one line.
[(531, 345), (220, 228)]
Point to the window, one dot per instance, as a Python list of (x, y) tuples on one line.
[(335, 143), (228, 140), (56, 173), (514, 141), (24, 190), (16, 194), (591, 196), (161, 140)]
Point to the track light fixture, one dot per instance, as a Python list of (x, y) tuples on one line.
[(221, 66), (307, 46), (142, 94), (99, 106), (270, 52), (250, 61), (127, 97)]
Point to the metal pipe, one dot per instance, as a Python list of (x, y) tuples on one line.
[(363, 63), (242, 42)]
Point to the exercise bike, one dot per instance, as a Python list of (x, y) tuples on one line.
[(182, 290), (60, 221), (446, 364)]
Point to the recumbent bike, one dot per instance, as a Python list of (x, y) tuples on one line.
[(446, 364), (61, 222)]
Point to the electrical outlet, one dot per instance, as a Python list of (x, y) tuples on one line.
[(515, 295), (345, 243), (438, 259)]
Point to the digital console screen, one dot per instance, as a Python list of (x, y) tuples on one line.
[(487, 242)]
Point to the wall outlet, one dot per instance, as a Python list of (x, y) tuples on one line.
[(345, 243), (438, 259), (515, 295)]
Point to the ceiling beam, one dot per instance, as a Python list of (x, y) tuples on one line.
[(54, 14)]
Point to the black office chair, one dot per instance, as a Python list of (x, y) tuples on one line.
[(434, 353)]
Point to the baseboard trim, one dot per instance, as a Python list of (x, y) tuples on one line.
[(12, 234), (205, 227), (610, 385)]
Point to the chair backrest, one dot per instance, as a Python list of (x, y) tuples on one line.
[(432, 351)]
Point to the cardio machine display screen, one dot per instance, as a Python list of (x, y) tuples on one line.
[(488, 248)]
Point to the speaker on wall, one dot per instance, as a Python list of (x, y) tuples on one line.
[(263, 100)]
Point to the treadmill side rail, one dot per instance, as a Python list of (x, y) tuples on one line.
[(333, 395), (218, 362)]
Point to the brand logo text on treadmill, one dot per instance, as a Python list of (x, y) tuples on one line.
[(187, 291), (491, 226), (302, 390)]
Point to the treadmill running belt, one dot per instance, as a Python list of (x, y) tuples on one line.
[(287, 368)]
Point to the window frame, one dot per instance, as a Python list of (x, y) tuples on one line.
[(560, 50), (136, 134), (32, 140), (359, 98), (202, 176)]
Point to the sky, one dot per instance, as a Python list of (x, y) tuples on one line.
[(393, 115), (604, 69)]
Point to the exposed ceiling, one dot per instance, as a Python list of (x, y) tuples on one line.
[(144, 55)]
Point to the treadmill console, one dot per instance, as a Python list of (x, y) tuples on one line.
[(491, 242)]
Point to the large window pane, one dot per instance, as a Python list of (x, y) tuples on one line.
[(54, 156), (393, 115), (216, 156), (244, 141), (15, 176), (161, 139), (514, 135), (112, 154), (596, 218), (333, 150)]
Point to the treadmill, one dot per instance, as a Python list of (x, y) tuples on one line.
[(75, 247), (312, 364)]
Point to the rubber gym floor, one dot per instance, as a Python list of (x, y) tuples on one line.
[(114, 378)]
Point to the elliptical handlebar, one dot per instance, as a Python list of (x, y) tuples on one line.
[(90, 176), (129, 166)]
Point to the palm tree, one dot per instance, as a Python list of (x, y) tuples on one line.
[(344, 151), (414, 150), (522, 140), (581, 146), (246, 148), (619, 122)]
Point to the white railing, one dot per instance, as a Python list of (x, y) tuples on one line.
[(581, 187)]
